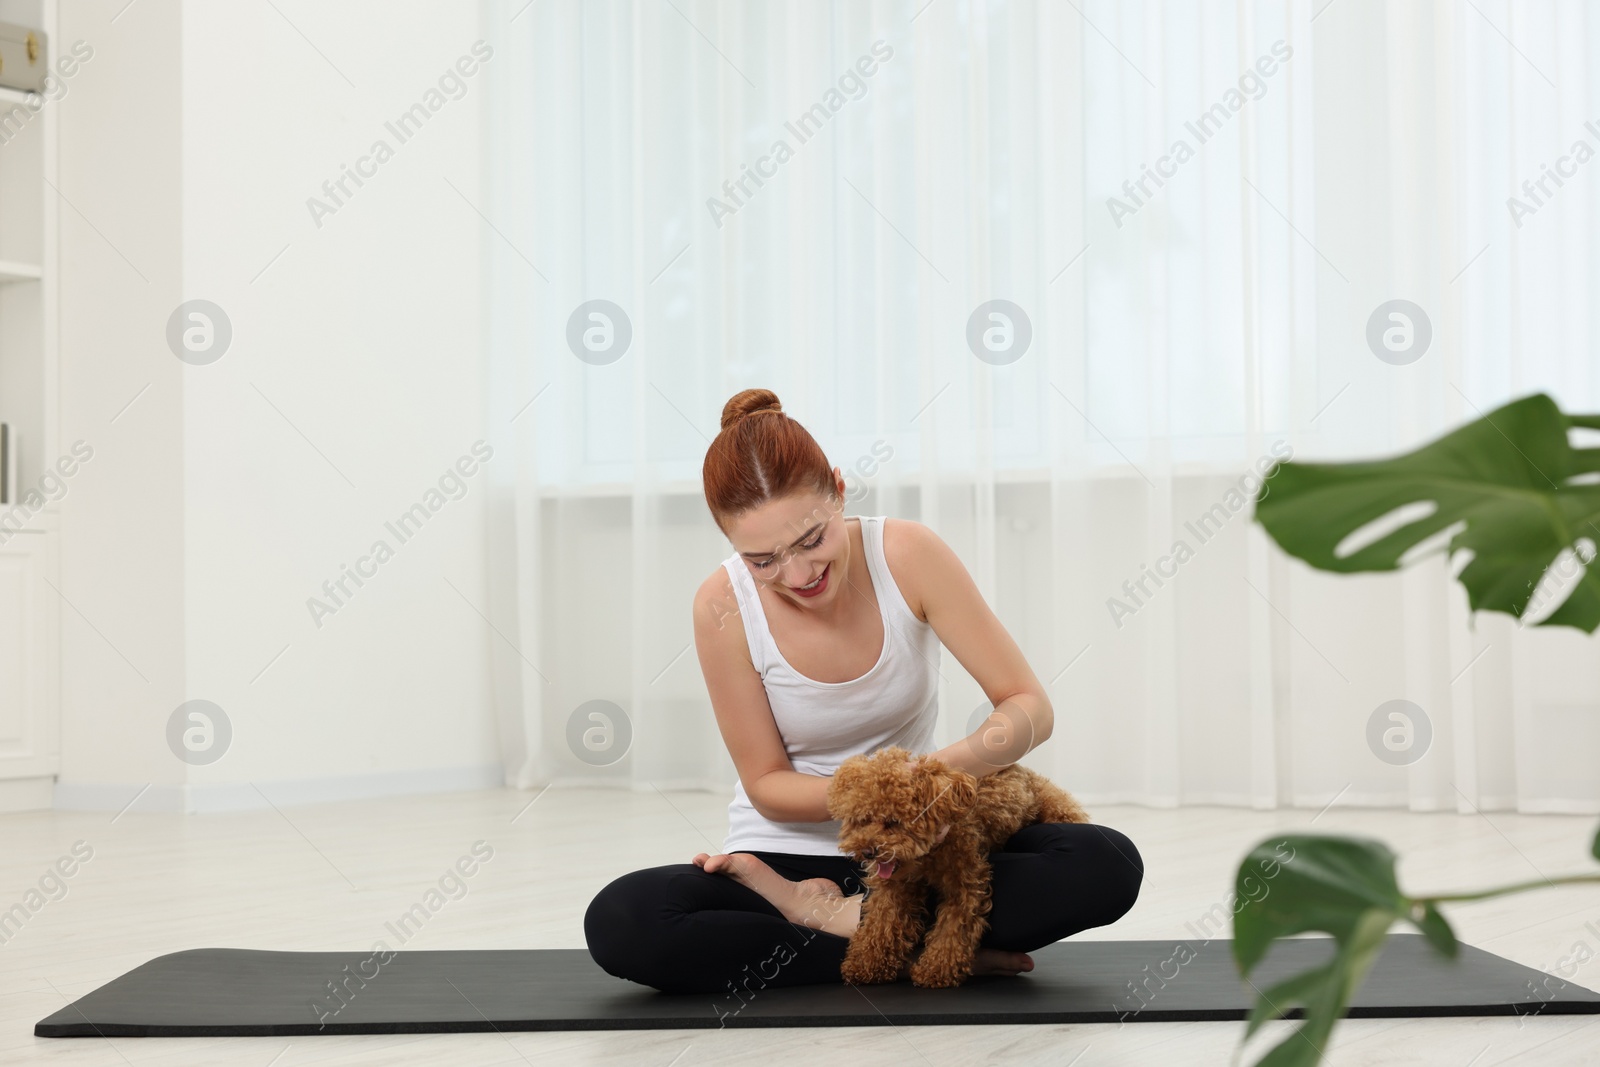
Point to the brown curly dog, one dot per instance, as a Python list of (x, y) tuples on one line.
[(928, 824)]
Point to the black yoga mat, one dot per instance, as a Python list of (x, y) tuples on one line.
[(212, 992)]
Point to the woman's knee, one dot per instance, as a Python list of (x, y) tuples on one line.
[(1106, 858), (1120, 865), (602, 924), (617, 926), (636, 929)]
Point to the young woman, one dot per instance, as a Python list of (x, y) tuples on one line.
[(819, 639)]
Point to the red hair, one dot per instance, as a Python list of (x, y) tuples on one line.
[(761, 454)]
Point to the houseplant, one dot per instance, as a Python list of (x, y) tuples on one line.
[(1515, 506)]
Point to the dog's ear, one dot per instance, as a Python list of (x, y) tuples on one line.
[(845, 785), (954, 791)]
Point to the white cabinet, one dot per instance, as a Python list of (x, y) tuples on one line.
[(29, 668), (30, 607)]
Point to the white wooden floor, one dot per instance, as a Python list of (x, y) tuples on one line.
[(328, 877)]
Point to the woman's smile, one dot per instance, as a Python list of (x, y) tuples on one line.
[(817, 586)]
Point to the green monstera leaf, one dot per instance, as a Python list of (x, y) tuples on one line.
[(1507, 488), (1522, 506), (1342, 886), (1346, 887)]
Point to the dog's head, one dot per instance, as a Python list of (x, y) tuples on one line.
[(895, 813)]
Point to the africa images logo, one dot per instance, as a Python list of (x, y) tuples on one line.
[(451, 85), (804, 128), (1252, 85)]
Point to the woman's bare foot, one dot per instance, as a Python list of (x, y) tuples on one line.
[(994, 961), (987, 961), (816, 902)]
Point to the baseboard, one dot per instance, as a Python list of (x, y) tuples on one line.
[(26, 794), (200, 799), (33, 794)]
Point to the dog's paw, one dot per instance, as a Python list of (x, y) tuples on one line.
[(866, 969), (939, 970)]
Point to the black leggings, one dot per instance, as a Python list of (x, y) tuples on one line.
[(681, 930)]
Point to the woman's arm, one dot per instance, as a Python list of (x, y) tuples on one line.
[(938, 589), (1019, 723), (791, 796), (942, 592), (744, 715)]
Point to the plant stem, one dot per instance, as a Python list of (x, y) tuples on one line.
[(1570, 879)]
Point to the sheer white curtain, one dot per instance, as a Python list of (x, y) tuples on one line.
[(1192, 211)]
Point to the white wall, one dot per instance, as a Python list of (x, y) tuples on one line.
[(122, 547), (228, 493)]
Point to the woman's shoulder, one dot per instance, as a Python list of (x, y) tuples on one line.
[(718, 585), (909, 549), (719, 630)]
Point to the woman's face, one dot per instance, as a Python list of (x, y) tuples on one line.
[(790, 543)]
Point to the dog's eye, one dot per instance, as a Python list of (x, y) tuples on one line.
[(889, 823)]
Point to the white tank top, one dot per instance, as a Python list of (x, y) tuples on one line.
[(825, 723)]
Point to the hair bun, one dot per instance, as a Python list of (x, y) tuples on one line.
[(748, 403)]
